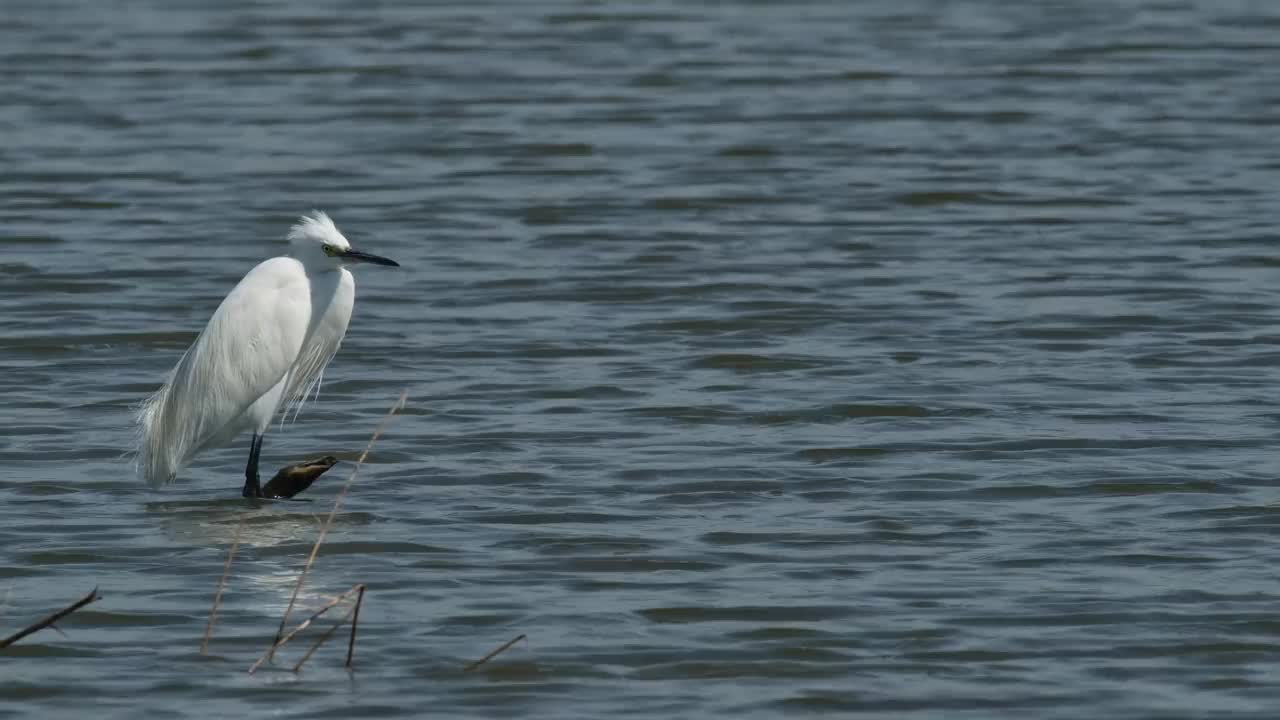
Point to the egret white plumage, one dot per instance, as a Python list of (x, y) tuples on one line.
[(264, 350)]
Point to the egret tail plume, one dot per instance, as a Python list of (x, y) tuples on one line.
[(158, 460)]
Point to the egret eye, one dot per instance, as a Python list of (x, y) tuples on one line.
[(330, 250)]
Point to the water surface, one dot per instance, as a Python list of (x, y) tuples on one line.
[(903, 359)]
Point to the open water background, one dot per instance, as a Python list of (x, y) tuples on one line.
[(907, 359)]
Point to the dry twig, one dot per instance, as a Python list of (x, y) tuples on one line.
[(355, 622), (354, 610), (303, 626), (222, 584), (324, 529), (49, 621)]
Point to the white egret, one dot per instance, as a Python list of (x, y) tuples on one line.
[(264, 349)]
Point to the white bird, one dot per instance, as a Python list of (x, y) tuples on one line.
[(264, 349)]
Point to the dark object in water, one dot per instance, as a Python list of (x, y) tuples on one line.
[(49, 621), (295, 478)]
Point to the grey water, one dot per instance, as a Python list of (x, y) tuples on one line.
[(909, 359)]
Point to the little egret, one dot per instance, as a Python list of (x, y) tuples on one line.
[(264, 349)]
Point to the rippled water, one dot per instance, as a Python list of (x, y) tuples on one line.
[(912, 359)]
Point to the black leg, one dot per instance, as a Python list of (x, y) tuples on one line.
[(251, 487)]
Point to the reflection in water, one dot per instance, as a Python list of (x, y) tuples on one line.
[(274, 544), (214, 522)]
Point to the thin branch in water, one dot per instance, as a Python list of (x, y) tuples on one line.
[(222, 584), (354, 609), (355, 622), (498, 651), (49, 621), (303, 626), (324, 529)]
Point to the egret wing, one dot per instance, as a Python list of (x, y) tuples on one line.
[(322, 342), (250, 343)]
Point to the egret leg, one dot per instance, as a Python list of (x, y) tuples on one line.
[(252, 489)]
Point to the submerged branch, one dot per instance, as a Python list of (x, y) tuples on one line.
[(498, 651), (49, 621)]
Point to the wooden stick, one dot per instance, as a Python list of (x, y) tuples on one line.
[(501, 649), (49, 621), (355, 621), (302, 626), (329, 633), (324, 529), (222, 584)]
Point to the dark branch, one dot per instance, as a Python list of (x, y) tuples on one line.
[(49, 621), (501, 649)]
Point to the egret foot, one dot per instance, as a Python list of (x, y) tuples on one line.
[(295, 478)]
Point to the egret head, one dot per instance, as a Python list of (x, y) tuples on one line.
[(316, 242)]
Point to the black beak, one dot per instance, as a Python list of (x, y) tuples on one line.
[(358, 256)]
